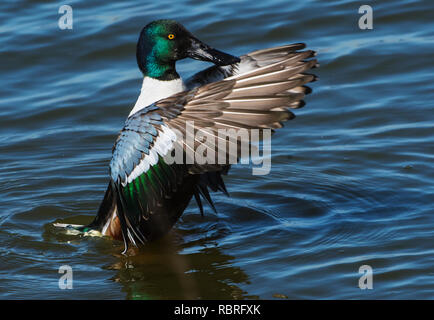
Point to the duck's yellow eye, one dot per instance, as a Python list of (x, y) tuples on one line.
[(171, 36)]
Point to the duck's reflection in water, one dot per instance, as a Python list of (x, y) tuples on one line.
[(166, 270)]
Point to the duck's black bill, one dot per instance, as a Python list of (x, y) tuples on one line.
[(201, 51)]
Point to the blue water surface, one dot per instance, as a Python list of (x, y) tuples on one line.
[(352, 175)]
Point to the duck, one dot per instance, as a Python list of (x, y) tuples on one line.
[(146, 195)]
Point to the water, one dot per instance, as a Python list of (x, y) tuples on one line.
[(351, 181)]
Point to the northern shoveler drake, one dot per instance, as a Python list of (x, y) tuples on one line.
[(146, 195)]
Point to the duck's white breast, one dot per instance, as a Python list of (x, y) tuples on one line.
[(154, 90)]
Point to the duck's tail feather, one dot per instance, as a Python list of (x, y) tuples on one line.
[(210, 180), (111, 219), (106, 209)]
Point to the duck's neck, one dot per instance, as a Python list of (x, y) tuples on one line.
[(154, 89), (152, 64), (153, 68)]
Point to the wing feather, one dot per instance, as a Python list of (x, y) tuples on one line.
[(253, 94)]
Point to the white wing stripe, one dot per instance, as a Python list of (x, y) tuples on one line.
[(162, 145)]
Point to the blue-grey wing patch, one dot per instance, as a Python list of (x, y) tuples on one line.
[(140, 143)]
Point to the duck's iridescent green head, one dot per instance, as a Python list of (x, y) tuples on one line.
[(163, 42)]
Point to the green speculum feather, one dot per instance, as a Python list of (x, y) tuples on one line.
[(140, 187), (151, 177)]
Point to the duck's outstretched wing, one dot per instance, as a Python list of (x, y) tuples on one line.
[(149, 192), (249, 62)]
